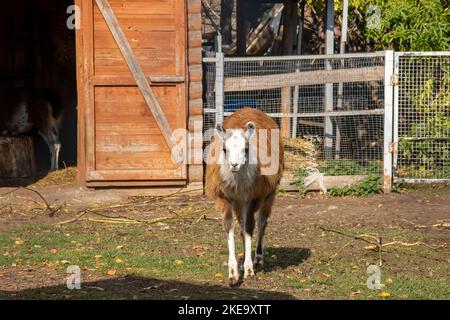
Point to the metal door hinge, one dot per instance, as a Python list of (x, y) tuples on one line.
[(394, 80), (393, 147)]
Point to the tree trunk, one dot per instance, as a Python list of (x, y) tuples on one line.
[(242, 27), (289, 26), (226, 12), (17, 157)]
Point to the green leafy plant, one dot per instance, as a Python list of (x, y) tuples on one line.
[(409, 25), (370, 185), (348, 167), (429, 156), (299, 180)]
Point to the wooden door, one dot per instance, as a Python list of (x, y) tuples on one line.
[(132, 70)]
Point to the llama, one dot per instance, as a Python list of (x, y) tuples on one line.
[(239, 185), (25, 110)]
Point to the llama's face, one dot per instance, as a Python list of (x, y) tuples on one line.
[(236, 145)]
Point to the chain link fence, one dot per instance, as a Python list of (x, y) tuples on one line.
[(422, 116), (331, 105)]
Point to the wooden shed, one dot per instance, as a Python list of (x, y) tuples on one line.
[(137, 61)]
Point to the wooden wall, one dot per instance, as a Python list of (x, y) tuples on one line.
[(106, 86), (195, 81)]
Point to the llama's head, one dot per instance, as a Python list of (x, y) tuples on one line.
[(237, 146)]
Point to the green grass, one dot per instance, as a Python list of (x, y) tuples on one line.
[(195, 254)]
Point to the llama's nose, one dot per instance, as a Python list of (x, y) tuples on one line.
[(234, 165)]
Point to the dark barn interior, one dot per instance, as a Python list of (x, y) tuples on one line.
[(37, 50)]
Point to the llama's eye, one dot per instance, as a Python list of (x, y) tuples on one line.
[(224, 150), (246, 149)]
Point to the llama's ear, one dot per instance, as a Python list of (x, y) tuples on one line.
[(250, 130), (220, 130)]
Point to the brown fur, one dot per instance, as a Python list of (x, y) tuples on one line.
[(264, 185), (260, 195)]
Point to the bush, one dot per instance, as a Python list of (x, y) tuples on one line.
[(370, 185)]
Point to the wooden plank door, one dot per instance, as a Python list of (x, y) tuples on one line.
[(124, 143)]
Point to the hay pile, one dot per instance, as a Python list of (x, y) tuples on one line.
[(297, 153), (67, 176)]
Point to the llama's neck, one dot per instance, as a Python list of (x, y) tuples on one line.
[(241, 182)]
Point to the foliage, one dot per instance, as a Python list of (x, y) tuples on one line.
[(430, 103), (370, 185), (409, 25), (402, 25), (348, 167), (299, 180)]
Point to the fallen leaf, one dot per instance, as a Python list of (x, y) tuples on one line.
[(65, 262), (389, 280), (120, 247), (218, 275), (18, 241), (355, 293), (178, 261), (53, 250), (111, 272), (98, 256), (118, 260), (384, 294)]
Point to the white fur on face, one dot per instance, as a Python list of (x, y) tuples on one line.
[(236, 149)]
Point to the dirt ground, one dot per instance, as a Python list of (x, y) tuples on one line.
[(132, 246)]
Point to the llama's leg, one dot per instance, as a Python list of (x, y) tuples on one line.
[(228, 223), (51, 137), (263, 215), (248, 226)]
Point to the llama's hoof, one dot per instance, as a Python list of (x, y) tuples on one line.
[(233, 281), (248, 272), (233, 273), (259, 261)]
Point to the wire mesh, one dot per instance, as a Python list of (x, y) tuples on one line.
[(348, 143), (423, 116)]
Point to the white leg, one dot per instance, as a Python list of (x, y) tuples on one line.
[(52, 156), (57, 151), (233, 273), (248, 263), (54, 146)]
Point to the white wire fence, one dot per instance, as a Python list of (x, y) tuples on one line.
[(380, 113), (422, 117), (335, 102)]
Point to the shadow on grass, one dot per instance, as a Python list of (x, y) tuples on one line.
[(134, 287), (282, 258)]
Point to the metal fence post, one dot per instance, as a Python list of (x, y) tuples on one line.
[(219, 87), (388, 120), (329, 49)]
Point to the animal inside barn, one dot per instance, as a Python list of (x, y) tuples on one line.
[(38, 93), (127, 75)]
